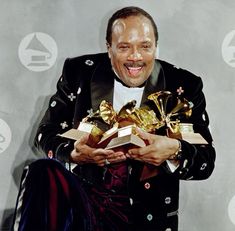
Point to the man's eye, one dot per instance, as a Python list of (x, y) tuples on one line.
[(123, 47), (146, 46)]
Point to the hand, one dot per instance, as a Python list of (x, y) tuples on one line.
[(83, 153), (159, 149)]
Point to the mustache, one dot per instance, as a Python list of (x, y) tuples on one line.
[(134, 64)]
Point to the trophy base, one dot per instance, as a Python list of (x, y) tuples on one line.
[(193, 138), (128, 140), (107, 137), (190, 137), (84, 129), (74, 134), (186, 133)]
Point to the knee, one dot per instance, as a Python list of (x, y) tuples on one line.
[(40, 169), (43, 164)]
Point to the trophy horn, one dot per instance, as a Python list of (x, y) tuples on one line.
[(127, 109), (107, 113), (183, 107), (124, 115), (160, 99), (146, 119)]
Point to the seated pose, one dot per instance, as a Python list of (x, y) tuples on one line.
[(109, 189)]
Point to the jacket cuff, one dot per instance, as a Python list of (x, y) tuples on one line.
[(187, 156), (63, 151)]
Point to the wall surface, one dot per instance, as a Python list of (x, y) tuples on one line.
[(36, 36)]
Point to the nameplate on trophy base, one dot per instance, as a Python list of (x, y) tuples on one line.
[(193, 138), (131, 140), (84, 129), (187, 133), (107, 137), (126, 136), (74, 134)]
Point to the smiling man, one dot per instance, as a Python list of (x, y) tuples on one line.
[(111, 190), (131, 49)]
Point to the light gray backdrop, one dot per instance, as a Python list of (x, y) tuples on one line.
[(196, 35)]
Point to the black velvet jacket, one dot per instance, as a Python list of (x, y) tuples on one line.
[(87, 80)]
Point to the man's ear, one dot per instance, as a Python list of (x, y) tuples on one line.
[(108, 48)]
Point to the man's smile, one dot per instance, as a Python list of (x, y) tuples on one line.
[(134, 69)]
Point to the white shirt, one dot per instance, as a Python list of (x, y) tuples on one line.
[(123, 95)]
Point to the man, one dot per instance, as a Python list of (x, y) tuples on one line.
[(107, 190)]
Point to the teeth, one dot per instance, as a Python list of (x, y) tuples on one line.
[(134, 70)]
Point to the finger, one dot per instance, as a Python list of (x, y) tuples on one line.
[(149, 159), (81, 141), (116, 159), (115, 155), (141, 151), (103, 162), (99, 160), (83, 148), (103, 152)]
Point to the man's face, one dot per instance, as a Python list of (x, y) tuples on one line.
[(132, 51)]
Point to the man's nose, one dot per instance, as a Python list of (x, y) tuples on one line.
[(135, 55)]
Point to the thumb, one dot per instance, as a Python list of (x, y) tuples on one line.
[(145, 135), (81, 141)]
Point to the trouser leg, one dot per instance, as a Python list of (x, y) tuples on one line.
[(51, 199)]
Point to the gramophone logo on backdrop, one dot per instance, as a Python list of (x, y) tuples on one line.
[(228, 48), (38, 51), (231, 210), (5, 135)]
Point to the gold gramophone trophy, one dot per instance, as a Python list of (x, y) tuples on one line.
[(169, 111), (89, 125)]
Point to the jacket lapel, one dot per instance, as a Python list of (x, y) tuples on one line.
[(102, 85), (156, 82)]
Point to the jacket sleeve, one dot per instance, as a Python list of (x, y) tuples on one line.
[(58, 118), (197, 160)]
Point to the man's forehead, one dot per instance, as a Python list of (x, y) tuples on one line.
[(119, 25), (133, 22)]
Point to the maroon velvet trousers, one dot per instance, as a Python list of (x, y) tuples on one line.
[(51, 198)]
